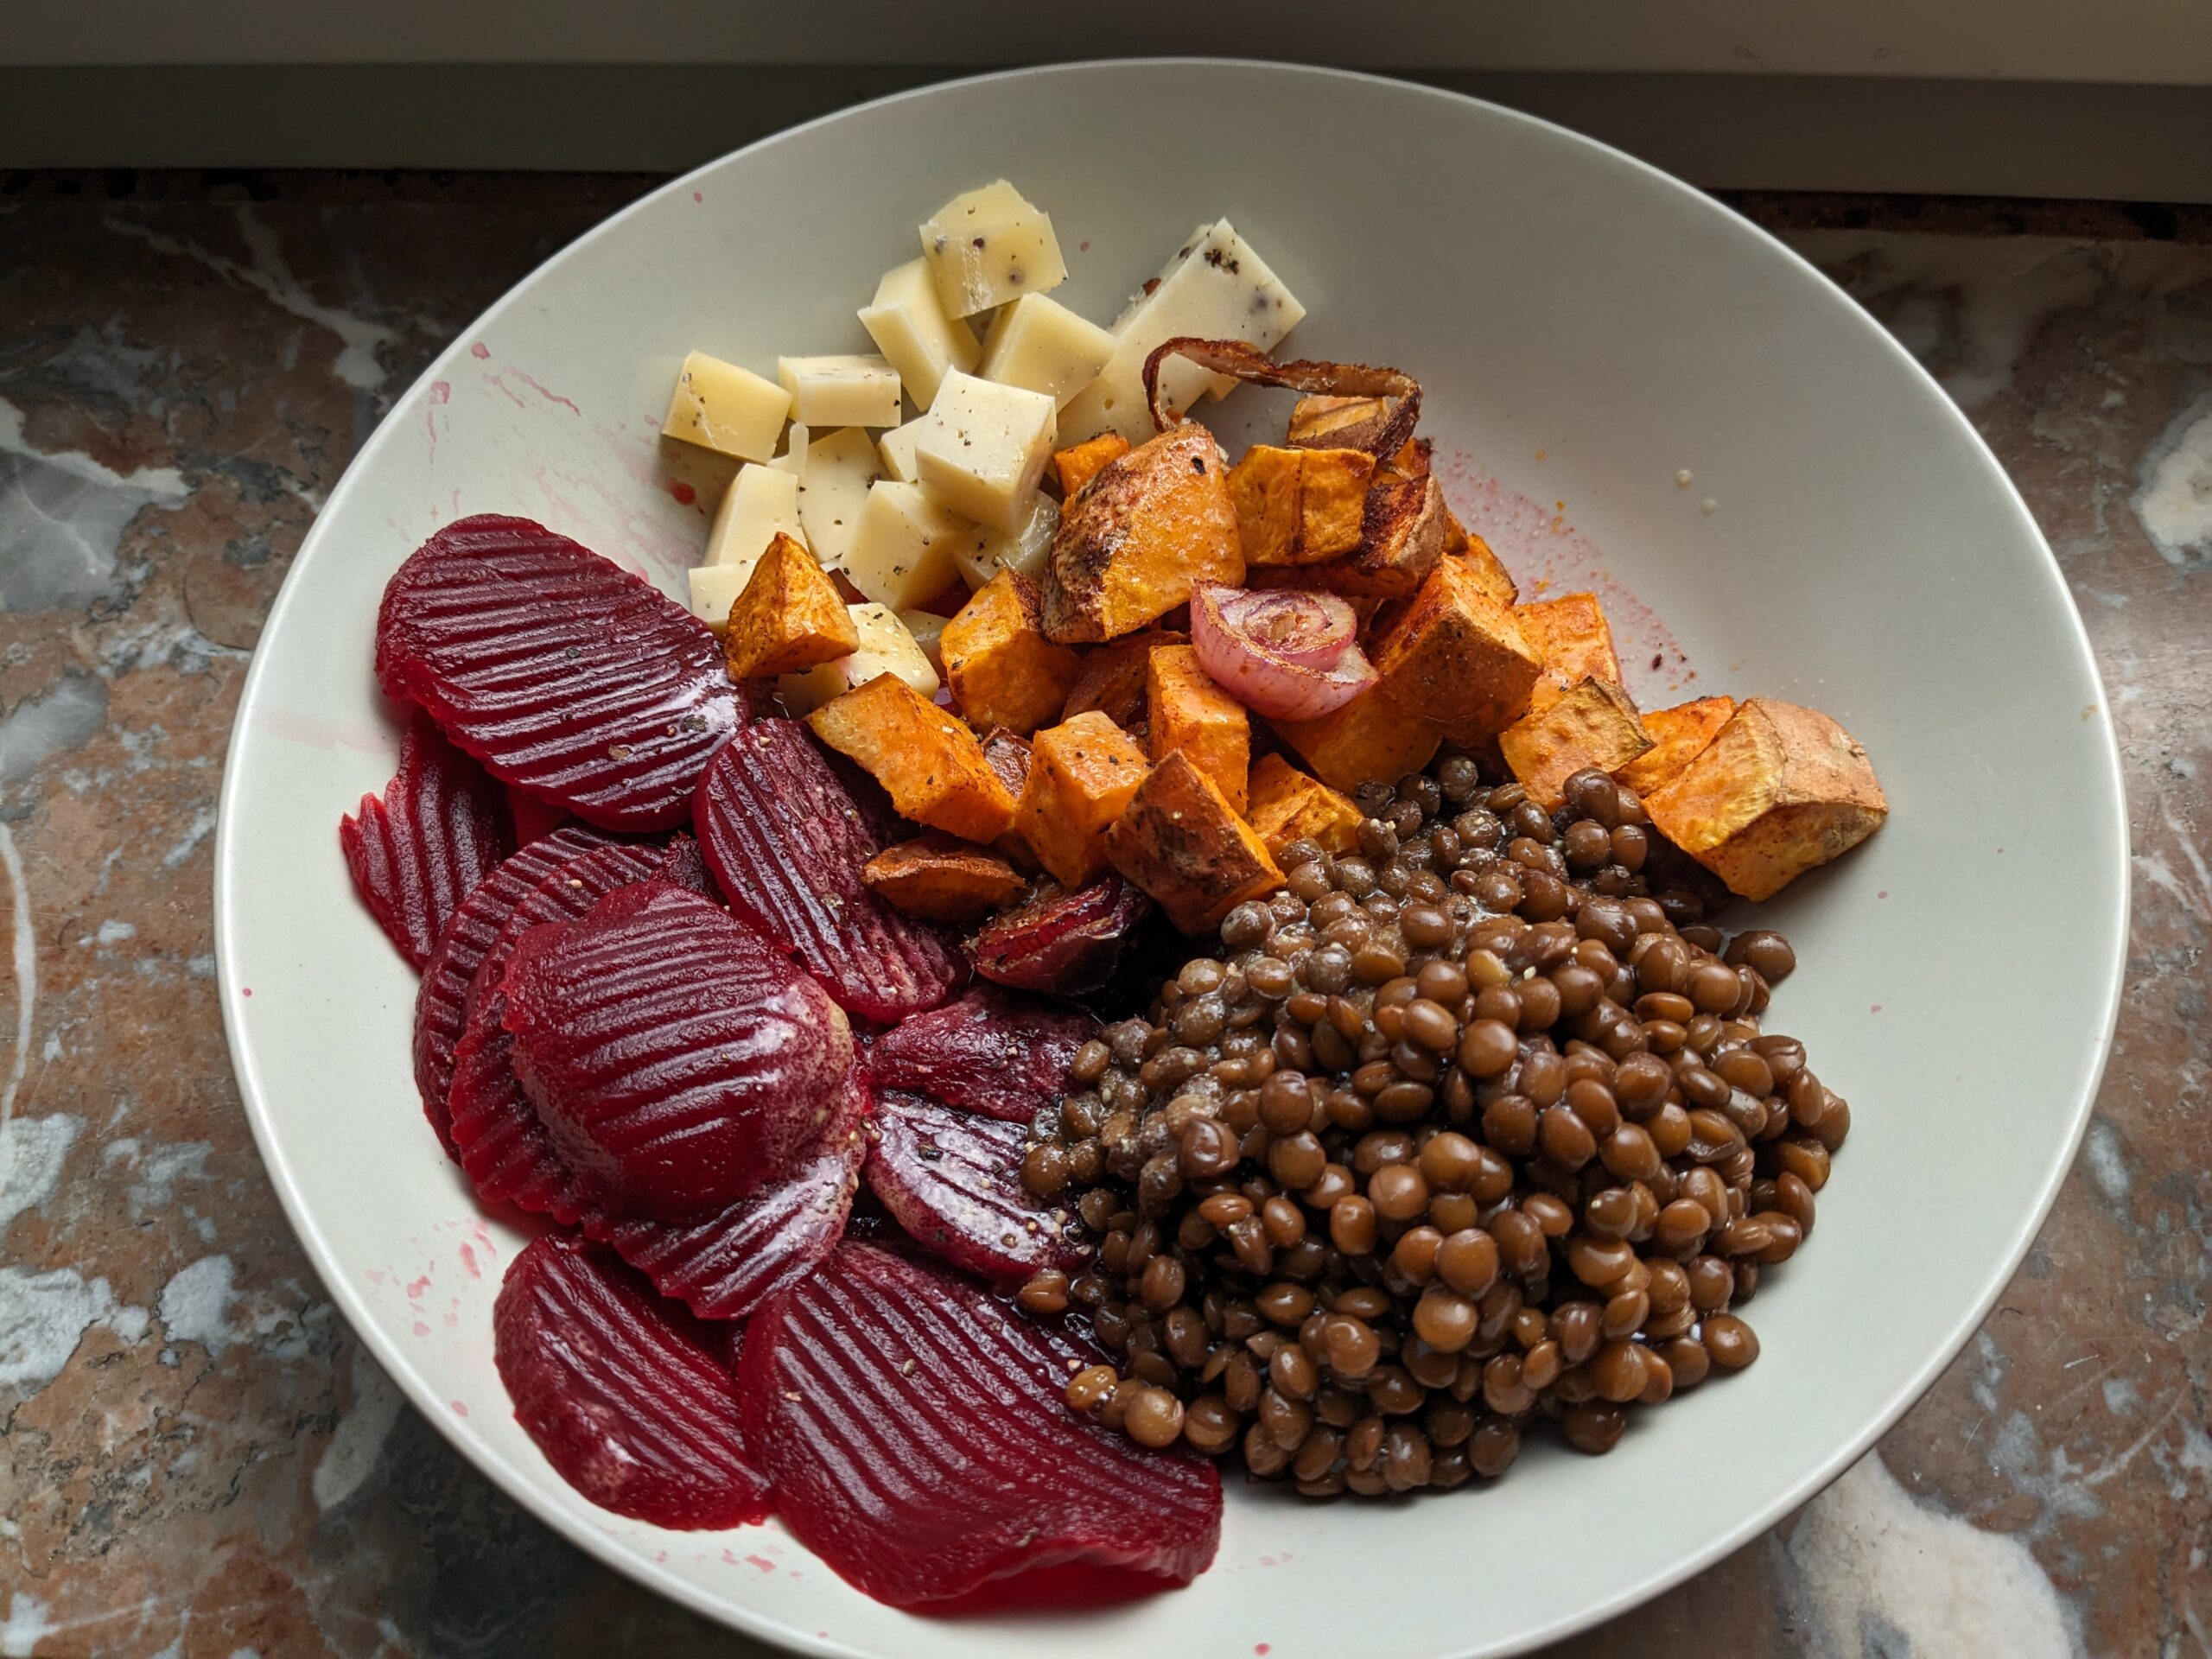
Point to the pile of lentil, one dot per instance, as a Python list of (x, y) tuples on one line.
[(1472, 1131)]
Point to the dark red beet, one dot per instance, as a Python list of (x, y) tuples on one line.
[(992, 1051), (918, 1441), (953, 1182), (725, 1268), (562, 673), (627, 1396), (442, 1003), (440, 828), (676, 1056), (1057, 941), (533, 818), (505, 1151), (786, 842)]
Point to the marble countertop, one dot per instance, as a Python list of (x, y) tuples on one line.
[(199, 1459)]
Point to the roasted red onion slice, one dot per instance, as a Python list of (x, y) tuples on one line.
[(1307, 628), (1257, 672)]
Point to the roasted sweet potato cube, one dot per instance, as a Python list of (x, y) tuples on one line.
[(1186, 711), (1300, 507), (1002, 668), (1180, 841), (1150, 528), (1112, 678), (1780, 790), (1412, 461), (1321, 422), (1078, 464), (1081, 774), (1404, 530), (1285, 805), (1594, 725), (943, 879), (1678, 736), (1455, 658), (1573, 639), (788, 616), (929, 763), (1490, 575), (1368, 740)]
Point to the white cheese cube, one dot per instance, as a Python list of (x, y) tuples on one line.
[(989, 246), (1038, 343), (896, 446), (908, 324), (760, 502), (903, 551), (987, 552), (984, 449), (886, 647), (928, 629), (833, 491), (793, 460), (714, 589), (849, 388), (719, 406), (1216, 287)]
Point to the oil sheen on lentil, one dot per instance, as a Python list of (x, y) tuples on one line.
[(1474, 1131)]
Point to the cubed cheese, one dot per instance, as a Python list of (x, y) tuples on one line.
[(793, 460), (928, 629), (850, 389), (886, 647), (1038, 343), (908, 324), (719, 406), (761, 500), (833, 491), (903, 551), (989, 246), (897, 449), (1216, 287), (987, 552), (984, 450)]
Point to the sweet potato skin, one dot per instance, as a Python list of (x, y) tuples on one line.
[(1180, 840), (1078, 464), (1002, 669), (942, 879), (1573, 639), (1186, 711), (1081, 774), (1594, 725), (1112, 678), (1678, 736), (1369, 739), (1283, 804), (1779, 791), (1148, 529), (929, 763), (788, 616), (1455, 658)]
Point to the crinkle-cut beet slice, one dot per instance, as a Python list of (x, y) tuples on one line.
[(629, 1397), (991, 1050), (724, 1267), (1057, 941), (562, 672), (504, 1150), (442, 1003), (533, 819), (439, 829), (953, 1180), (678, 1056), (787, 842), (918, 1438)]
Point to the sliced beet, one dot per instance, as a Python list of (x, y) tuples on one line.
[(565, 674), (442, 1003), (1057, 941), (677, 1057), (505, 1151), (724, 1267), (953, 1180), (786, 842), (630, 1397), (991, 1050), (420, 848), (918, 1441)]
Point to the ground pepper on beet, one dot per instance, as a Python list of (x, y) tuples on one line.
[(1472, 1131)]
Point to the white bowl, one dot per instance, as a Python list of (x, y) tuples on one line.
[(1586, 329)]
